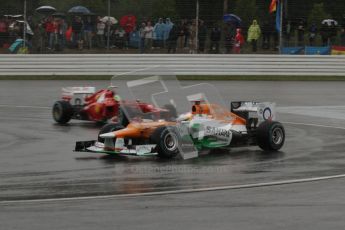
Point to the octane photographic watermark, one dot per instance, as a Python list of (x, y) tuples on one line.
[(164, 90), (183, 169)]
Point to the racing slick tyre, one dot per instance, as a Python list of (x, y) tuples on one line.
[(62, 112), (172, 112), (270, 135), (107, 129), (167, 140)]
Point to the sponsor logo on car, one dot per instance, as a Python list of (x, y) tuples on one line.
[(217, 131)]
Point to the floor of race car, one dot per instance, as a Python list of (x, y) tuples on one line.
[(38, 162)]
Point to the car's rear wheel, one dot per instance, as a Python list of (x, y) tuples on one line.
[(112, 127), (62, 112), (270, 135), (168, 142)]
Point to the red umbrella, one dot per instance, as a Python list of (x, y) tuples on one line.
[(128, 23)]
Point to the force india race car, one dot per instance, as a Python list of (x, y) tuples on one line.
[(207, 126), (83, 103)]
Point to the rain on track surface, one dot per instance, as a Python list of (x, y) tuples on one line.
[(37, 160)]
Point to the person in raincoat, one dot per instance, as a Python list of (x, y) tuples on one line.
[(239, 41), (254, 33), (159, 30), (168, 27)]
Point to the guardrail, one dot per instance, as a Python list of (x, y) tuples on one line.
[(110, 64)]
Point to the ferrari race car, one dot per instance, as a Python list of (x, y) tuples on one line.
[(207, 126), (84, 103)]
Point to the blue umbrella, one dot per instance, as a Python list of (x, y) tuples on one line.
[(232, 18), (79, 10)]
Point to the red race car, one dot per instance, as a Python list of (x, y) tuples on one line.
[(84, 103)]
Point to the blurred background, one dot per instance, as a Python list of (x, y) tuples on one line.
[(173, 26)]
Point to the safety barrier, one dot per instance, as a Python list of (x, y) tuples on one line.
[(110, 64)]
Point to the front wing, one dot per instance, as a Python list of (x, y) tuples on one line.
[(98, 147)]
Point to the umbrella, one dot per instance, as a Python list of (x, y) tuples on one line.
[(232, 18), (79, 10), (112, 20), (45, 10), (128, 23), (329, 22), (19, 16), (28, 28)]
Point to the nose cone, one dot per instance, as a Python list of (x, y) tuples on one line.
[(107, 135)]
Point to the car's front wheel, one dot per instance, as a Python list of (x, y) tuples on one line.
[(168, 142)]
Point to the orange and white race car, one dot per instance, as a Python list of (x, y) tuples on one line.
[(207, 126)]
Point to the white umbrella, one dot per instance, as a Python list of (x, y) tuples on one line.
[(45, 10), (112, 20), (14, 16), (329, 22), (28, 28)]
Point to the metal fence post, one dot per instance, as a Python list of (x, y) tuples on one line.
[(24, 26), (108, 26)]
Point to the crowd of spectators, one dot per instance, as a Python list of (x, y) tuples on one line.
[(313, 35), (54, 34)]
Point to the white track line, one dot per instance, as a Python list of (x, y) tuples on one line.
[(181, 191), (24, 106), (315, 125), (311, 107)]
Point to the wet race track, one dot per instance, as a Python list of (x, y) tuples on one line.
[(38, 162)]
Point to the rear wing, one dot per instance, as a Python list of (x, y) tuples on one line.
[(70, 91), (262, 111)]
